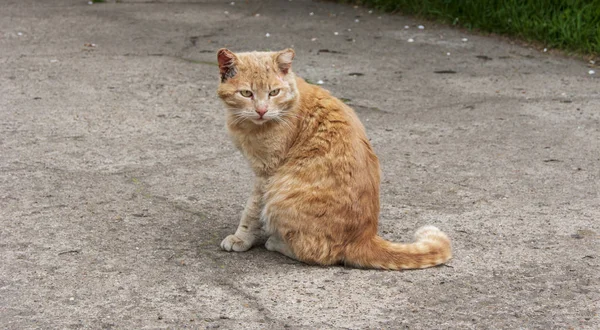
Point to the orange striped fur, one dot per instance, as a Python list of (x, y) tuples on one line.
[(316, 192)]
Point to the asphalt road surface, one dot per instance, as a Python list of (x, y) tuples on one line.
[(118, 181)]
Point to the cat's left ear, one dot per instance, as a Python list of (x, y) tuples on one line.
[(284, 60), (227, 63)]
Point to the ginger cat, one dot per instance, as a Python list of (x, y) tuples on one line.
[(316, 192)]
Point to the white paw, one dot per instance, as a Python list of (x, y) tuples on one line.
[(271, 245), (275, 244), (234, 243)]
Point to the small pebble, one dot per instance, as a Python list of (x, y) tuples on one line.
[(464, 39), (313, 39), (19, 33), (320, 82), (53, 61), (407, 27), (267, 35), (257, 15), (370, 12), (335, 33), (357, 20), (592, 72), (72, 298), (226, 12), (311, 14), (545, 50), (421, 27), (90, 3), (411, 40), (232, 3), (379, 17), (447, 54)]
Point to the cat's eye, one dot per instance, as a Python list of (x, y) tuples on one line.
[(274, 92), (246, 93)]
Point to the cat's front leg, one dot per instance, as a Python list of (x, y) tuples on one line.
[(249, 228)]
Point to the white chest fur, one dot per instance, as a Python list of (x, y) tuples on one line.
[(264, 149)]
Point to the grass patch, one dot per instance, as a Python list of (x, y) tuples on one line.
[(572, 25)]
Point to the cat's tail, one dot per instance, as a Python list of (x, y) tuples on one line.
[(432, 247)]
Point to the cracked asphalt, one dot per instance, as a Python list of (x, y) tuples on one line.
[(118, 181)]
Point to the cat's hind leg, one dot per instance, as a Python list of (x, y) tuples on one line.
[(274, 243)]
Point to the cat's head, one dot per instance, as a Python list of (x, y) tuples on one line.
[(257, 87)]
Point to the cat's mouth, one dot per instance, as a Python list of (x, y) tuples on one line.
[(260, 120)]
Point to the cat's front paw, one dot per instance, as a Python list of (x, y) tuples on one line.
[(234, 243)]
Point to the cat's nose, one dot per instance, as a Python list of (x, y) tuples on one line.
[(261, 111)]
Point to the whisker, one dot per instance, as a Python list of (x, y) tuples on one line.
[(237, 118), (277, 119), (284, 122), (280, 120), (291, 114)]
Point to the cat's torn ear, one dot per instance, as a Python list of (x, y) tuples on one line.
[(284, 60), (227, 61)]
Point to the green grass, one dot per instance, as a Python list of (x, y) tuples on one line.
[(572, 25)]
